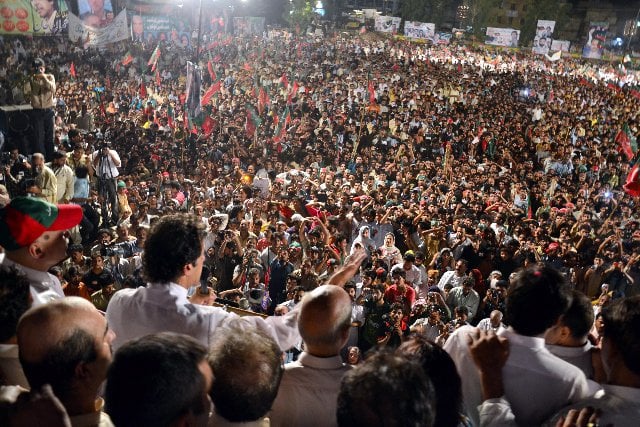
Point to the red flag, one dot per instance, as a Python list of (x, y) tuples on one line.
[(158, 79), (210, 92), (372, 93), (207, 125), (217, 58), (108, 83), (624, 143), (72, 70), (294, 91), (212, 73), (143, 90), (263, 100), (246, 66), (284, 81), (632, 184)]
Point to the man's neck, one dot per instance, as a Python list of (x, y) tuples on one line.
[(22, 258)]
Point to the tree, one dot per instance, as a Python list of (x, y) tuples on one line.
[(550, 10), (478, 13), (432, 11), (299, 14)]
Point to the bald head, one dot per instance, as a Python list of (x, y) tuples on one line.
[(63, 343), (324, 320)]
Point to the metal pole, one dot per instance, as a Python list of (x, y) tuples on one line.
[(197, 56)]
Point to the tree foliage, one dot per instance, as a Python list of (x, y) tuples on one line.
[(299, 14), (550, 10), (433, 11)]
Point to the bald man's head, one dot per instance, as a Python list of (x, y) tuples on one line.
[(64, 343), (324, 320)]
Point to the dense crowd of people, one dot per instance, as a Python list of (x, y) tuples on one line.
[(438, 185)]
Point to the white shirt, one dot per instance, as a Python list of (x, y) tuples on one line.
[(308, 393), (536, 383), (44, 286), (107, 167), (65, 178), (485, 325), (577, 356), (133, 313)]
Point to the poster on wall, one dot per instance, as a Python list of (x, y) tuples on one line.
[(153, 29), (38, 17), (544, 37), (595, 40), (507, 37), (91, 36), (387, 24), (419, 30), (562, 45)]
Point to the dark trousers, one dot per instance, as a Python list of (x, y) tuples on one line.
[(42, 122), (108, 198)]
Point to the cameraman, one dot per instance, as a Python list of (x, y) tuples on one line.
[(106, 163), (15, 167), (40, 88)]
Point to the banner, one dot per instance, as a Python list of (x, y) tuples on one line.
[(562, 45), (442, 38), (154, 29), (248, 25), (595, 40), (419, 30), (40, 17), (92, 36), (387, 24), (96, 14), (507, 37), (544, 36)]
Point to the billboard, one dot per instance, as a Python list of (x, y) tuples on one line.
[(91, 36), (39, 17), (387, 24), (152, 29), (544, 36), (95, 13), (595, 40), (507, 37), (562, 45), (419, 30)]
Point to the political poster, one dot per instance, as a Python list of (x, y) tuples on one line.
[(151, 29), (96, 13), (90, 36), (387, 24), (38, 17), (419, 30), (442, 38), (544, 37), (595, 40), (560, 45), (507, 37)]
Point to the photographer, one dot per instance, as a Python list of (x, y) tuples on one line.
[(14, 167), (106, 163), (40, 90)]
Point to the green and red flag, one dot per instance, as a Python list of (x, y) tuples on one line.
[(253, 120), (72, 70), (127, 59), (153, 61), (623, 139), (210, 92)]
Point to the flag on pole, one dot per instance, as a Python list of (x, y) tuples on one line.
[(263, 100), (194, 83), (623, 139), (143, 91), (372, 93), (158, 79), (210, 92), (293, 92), (284, 81), (253, 120), (281, 123), (212, 72), (127, 59), (72, 70), (153, 61)]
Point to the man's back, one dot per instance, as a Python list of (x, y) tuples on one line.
[(133, 313), (536, 383), (308, 392)]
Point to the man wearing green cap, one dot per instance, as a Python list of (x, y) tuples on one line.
[(34, 236)]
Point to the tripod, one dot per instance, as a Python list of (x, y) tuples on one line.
[(107, 192)]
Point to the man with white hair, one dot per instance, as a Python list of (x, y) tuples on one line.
[(492, 323)]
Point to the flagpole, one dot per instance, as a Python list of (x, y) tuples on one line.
[(197, 56)]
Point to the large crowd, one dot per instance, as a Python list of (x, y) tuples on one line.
[(436, 177)]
